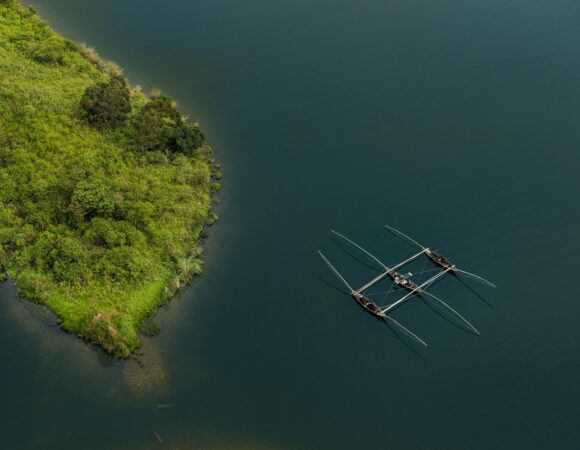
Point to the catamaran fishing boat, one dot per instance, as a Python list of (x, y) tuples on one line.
[(406, 283)]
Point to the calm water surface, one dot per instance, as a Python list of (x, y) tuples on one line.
[(456, 121)]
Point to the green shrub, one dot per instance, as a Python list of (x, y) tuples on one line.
[(185, 139), (107, 104), (155, 123), (3, 258), (104, 232), (213, 218), (160, 127), (111, 233), (122, 264), (90, 199), (33, 285), (8, 3), (69, 261), (40, 254), (188, 267), (140, 213)]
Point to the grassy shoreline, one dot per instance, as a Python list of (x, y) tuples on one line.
[(95, 223)]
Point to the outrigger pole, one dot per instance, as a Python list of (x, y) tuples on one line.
[(419, 290), (438, 259), (386, 273), (413, 290), (378, 313), (386, 269), (337, 273)]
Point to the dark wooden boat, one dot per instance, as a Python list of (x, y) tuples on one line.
[(368, 305), (439, 259), (404, 281)]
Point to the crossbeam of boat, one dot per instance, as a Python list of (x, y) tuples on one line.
[(387, 319), (415, 291), (387, 271)]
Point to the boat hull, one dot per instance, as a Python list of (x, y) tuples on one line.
[(403, 281), (369, 306), (440, 260)]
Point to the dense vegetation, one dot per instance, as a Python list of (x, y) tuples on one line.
[(107, 103), (104, 191)]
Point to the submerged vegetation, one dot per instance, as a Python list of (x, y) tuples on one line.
[(104, 191)]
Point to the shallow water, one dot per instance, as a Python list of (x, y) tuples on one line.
[(455, 121)]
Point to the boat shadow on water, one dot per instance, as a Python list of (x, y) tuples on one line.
[(474, 292), (333, 286), (349, 250), (413, 347), (442, 312)]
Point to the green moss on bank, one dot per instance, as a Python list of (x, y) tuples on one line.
[(90, 226)]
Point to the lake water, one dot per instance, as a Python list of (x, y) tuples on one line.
[(455, 121)]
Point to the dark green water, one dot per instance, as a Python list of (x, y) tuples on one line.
[(456, 121)]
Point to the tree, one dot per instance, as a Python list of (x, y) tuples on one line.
[(187, 138), (160, 127), (69, 260), (91, 199), (106, 104)]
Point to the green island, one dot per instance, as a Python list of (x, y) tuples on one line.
[(105, 192)]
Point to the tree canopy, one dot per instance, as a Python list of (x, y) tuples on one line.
[(106, 103), (160, 127)]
